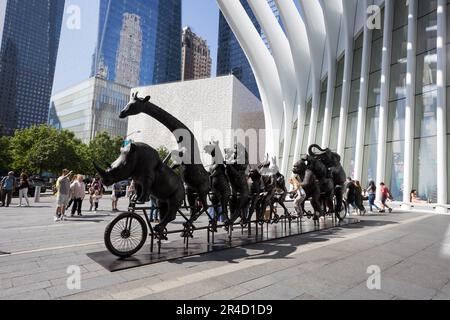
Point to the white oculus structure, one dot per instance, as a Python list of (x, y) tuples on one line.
[(366, 78)]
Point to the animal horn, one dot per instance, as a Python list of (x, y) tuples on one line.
[(101, 171)]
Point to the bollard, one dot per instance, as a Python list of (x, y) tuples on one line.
[(37, 194)]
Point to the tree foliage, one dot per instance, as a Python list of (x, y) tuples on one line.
[(5, 154), (43, 148)]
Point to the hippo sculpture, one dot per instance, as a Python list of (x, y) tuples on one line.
[(152, 178)]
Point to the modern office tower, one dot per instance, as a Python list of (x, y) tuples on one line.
[(139, 42), (230, 57), (29, 37), (90, 108), (195, 57)]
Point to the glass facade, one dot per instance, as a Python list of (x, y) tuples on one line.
[(397, 102), (231, 59), (322, 106), (336, 112), (425, 134), (352, 116), (90, 108), (369, 172), (29, 47), (139, 42)]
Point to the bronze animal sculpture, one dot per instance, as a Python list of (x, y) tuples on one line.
[(237, 162), (152, 178), (256, 189), (332, 161), (220, 185), (194, 174)]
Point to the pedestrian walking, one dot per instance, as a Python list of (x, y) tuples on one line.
[(77, 190), (71, 198), (385, 195), (96, 200), (96, 185), (372, 193), (116, 195), (24, 185), (359, 198), (350, 193), (154, 210), (62, 194), (7, 186), (131, 190)]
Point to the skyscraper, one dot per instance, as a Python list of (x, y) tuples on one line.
[(196, 59), (139, 42), (230, 56), (29, 36)]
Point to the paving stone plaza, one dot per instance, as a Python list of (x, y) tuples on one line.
[(411, 251)]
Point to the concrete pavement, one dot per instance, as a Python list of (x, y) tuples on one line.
[(410, 249)]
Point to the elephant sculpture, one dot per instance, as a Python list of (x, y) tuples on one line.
[(152, 178), (332, 161), (194, 174)]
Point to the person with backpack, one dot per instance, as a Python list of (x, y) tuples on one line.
[(23, 189), (385, 195), (359, 198), (7, 186)]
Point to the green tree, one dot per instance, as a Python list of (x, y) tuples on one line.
[(43, 148), (103, 150), (163, 153), (5, 154)]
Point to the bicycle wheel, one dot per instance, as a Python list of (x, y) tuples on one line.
[(126, 235)]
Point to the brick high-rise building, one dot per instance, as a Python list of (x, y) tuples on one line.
[(195, 59)]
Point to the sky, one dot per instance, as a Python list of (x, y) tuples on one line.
[(79, 36)]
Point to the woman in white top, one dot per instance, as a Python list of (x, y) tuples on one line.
[(78, 192)]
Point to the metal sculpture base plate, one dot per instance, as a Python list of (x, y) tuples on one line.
[(198, 245)]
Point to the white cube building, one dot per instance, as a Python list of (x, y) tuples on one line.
[(211, 108)]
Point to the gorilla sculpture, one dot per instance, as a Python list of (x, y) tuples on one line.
[(310, 184), (152, 179), (194, 174)]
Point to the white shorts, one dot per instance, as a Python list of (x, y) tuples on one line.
[(62, 199)]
